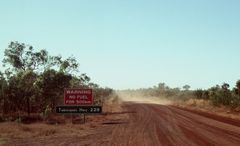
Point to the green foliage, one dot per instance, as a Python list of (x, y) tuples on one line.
[(223, 96), (99, 94), (218, 95), (34, 81), (201, 94), (238, 87), (50, 85), (21, 57), (20, 91), (186, 87), (2, 89)]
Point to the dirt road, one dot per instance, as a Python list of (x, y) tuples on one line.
[(156, 125), (139, 124)]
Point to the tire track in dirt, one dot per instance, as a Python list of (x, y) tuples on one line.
[(141, 124), (212, 130), (165, 125)]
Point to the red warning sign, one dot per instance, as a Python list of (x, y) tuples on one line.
[(78, 96)]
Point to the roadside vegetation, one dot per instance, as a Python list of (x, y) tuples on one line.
[(33, 81), (219, 95)]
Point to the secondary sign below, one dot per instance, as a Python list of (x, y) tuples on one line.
[(79, 109)]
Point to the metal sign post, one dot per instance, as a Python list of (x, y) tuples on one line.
[(83, 118), (78, 101)]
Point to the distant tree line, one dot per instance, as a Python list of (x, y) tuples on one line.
[(221, 95), (34, 80), (217, 95)]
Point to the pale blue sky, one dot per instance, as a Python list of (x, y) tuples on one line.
[(133, 43)]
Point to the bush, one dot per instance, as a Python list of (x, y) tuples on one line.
[(2, 119)]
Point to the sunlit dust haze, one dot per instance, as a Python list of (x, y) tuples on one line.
[(127, 96)]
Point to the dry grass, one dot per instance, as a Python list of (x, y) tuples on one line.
[(2, 141), (48, 132), (12, 132), (206, 106), (41, 133), (112, 105)]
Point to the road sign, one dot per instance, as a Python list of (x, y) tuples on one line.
[(78, 96), (79, 109)]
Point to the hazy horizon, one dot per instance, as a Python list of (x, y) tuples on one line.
[(133, 44)]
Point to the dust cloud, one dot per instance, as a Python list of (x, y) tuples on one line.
[(138, 97)]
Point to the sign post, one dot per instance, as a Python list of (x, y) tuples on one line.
[(84, 118), (78, 101)]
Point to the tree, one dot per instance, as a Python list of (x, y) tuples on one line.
[(15, 56), (84, 80), (198, 93), (161, 86), (221, 95), (51, 85), (22, 57), (27, 82), (20, 92), (186, 87), (69, 65), (36, 78), (225, 86), (35, 81), (2, 88), (238, 86)]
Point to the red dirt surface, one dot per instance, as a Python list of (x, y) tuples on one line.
[(135, 124)]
